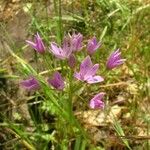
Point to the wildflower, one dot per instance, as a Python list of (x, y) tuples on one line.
[(30, 84), (72, 61), (76, 42), (57, 81), (96, 101), (114, 60), (38, 44), (93, 45), (63, 52), (70, 44), (87, 72)]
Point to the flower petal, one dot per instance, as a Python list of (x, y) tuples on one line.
[(40, 44), (57, 81), (95, 79), (96, 102), (85, 65), (78, 76), (93, 45), (118, 63), (57, 51), (66, 48), (76, 41), (114, 60), (55, 48), (72, 61), (32, 44), (30, 84), (92, 71)]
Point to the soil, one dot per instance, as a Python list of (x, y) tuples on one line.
[(13, 25)]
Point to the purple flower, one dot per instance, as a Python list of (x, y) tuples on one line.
[(30, 84), (61, 53), (72, 61), (87, 72), (57, 81), (114, 60), (70, 44), (38, 44), (76, 42), (93, 45), (96, 102)]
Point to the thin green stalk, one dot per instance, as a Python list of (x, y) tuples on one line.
[(47, 62), (59, 22), (36, 60), (77, 143), (83, 145), (38, 27), (62, 111), (20, 134), (72, 118), (120, 131), (47, 15)]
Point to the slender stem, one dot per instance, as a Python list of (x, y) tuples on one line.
[(60, 21), (36, 60), (47, 62), (59, 24), (72, 118), (53, 100)]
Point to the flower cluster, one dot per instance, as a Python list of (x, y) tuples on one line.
[(70, 44), (87, 72)]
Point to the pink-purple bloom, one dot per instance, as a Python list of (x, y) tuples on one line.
[(76, 42), (57, 81), (70, 44), (30, 84), (115, 60), (38, 44), (96, 102), (92, 45), (72, 61), (87, 72), (61, 53)]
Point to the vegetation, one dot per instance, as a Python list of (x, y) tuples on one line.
[(60, 114)]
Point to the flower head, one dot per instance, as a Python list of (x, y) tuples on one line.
[(57, 81), (114, 60), (70, 44), (38, 44), (72, 61), (87, 72), (93, 45), (30, 84), (76, 42), (96, 102), (61, 53)]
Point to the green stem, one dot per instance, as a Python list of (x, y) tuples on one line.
[(61, 110), (72, 118), (47, 62), (36, 60), (59, 22)]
